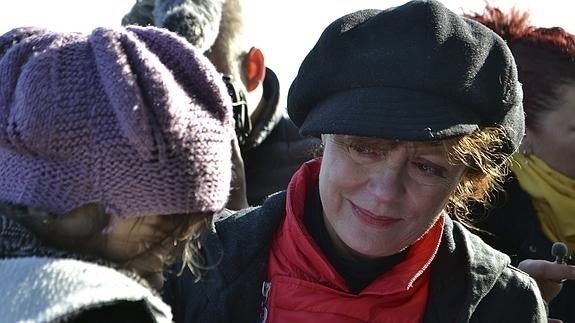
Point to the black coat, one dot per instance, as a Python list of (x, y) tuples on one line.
[(470, 281), (513, 227)]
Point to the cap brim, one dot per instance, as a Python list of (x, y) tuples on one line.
[(390, 113)]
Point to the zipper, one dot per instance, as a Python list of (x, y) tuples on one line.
[(266, 286)]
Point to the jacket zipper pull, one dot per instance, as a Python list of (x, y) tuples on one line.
[(266, 286)]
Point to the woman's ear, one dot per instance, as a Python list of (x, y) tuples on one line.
[(254, 68)]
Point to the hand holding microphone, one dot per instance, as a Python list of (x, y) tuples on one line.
[(550, 275)]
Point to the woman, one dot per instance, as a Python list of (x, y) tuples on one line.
[(115, 150), (417, 109), (539, 201)]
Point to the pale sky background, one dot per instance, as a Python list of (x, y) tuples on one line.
[(284, 30)]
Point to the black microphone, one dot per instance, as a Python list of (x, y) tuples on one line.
[(559, 251)]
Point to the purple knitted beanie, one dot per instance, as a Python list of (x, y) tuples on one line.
[(135, 119)]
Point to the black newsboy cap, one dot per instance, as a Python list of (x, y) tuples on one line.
[(412, 72)]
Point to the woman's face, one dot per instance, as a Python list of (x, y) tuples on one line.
[(379, 196), (553, 139)]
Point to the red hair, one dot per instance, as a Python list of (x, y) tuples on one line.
[(545, 57)]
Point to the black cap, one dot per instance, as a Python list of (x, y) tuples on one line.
[(412, 72)]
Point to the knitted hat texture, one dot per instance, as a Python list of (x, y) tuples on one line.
[(135, 119)]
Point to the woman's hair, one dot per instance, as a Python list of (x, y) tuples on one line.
[(486, 166), (545, 58)]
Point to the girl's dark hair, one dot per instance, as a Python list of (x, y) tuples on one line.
[(545, 58)]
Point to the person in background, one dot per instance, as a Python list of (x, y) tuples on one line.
[(271, 146), (538, 203), (418, 110), (115, 149)]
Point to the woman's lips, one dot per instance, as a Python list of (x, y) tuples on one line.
[(371, 219)]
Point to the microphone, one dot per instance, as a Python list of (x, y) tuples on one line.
[(559, 251)]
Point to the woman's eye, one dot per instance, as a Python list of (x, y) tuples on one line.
[(430, 169), (362, 149), (363, 153)]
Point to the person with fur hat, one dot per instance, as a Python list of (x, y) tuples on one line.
[(418, 111), (270, 147), (537, 207), (115, 149)]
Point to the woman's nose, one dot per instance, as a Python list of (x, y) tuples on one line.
[(386, 183)]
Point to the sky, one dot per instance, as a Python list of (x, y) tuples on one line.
[(284, 30)]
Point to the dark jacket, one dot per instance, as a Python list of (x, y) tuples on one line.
[(470, 282), (274, 149), (513, 227)]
